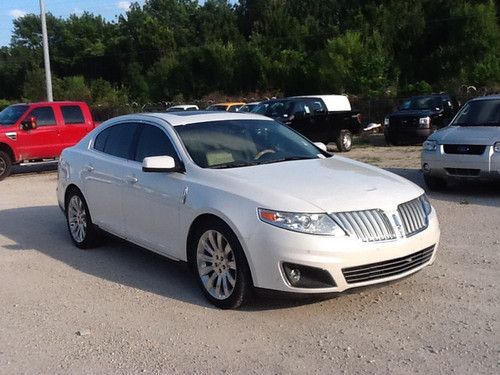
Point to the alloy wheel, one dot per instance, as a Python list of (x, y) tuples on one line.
[(216, 264), (77, 219)]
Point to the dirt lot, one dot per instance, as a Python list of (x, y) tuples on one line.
[(118, 309)]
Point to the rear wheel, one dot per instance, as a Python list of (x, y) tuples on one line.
[(5, 165), (435, 183), (344, 141), (220, 266), (81, 229)]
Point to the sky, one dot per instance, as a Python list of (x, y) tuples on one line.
[(11, 9)]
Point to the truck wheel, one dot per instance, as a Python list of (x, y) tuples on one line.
[(5, 165), (344, 141), (435, 183)]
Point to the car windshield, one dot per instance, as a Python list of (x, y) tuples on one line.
[(421, 102), (247, 108), (479, 113), (11, 114), (279, 108), (217, 107), (241, 143)]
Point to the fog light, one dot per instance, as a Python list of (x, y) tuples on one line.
[(426, 167), (300, 276), (293, 274)]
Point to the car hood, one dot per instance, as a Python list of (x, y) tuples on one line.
[(470, 135), (413, 113), (335, 184)]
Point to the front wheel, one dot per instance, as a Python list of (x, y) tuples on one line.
[(5, 165), (344, 141), (81, 229), (220, 266)]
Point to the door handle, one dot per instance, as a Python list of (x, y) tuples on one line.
[(131, 179), (88, 168)]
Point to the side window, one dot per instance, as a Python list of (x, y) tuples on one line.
[(100, 140), (119, 141), (72, 114), (317, 106), (154, 142), (44, 116)]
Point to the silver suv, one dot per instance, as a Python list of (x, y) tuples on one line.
[(469, 148)]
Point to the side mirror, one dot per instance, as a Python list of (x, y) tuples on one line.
[(321, 146), (163, 164), (29, 123)]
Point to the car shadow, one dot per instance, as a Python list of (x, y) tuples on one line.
[(43, 229), (41, 167), (462, 192)]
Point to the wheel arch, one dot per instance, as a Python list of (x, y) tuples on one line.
[(207, 217), (9, 151), (70, 189)]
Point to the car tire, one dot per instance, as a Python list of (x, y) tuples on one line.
[(344, 141), (81, 229), (435, 183), (219, 265), (5, 165)]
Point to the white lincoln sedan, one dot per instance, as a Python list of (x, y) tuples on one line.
[(247, 202)]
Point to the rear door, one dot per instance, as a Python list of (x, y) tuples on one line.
[(42, 142), (152, 200), (104, 175), (75, 124)]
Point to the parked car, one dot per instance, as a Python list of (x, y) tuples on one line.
[(228, 107), (37, 131), (418, 117), (248, 107), (184, 107), (247, 202), (322, 118), (467, 149)]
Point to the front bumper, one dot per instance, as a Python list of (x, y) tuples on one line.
[(407, 135), (457, 166), (271, 247)]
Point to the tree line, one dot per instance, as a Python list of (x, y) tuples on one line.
[(180, 50)]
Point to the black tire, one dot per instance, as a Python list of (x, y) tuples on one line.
[(220, 269), (78, 216), (5, 165), (344, 141), (434, 183)]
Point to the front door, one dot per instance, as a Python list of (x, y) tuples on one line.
[(42, 142)]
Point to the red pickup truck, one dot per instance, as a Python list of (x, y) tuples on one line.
[(37, 131)]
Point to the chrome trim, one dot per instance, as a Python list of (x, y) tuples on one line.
[(413, 217), (367, 225)]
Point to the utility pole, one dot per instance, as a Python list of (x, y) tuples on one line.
[(46, 58)]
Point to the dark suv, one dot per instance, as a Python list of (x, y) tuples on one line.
[(418, 117)]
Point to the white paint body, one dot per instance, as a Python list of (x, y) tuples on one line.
[(156, 210)]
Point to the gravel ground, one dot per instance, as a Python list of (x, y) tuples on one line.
[(119, 309)]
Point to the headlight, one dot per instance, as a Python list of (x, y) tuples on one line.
[(386, 121), (424, 122), (496, 147), (301, 222), (430, 145), (425, 204)]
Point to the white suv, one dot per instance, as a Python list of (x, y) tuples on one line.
[(469, 148)]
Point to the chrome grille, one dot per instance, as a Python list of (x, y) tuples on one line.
[(367, 225), (413, 216), (392, 267)]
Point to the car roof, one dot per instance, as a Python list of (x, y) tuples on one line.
[(183, 118), (487, 97)]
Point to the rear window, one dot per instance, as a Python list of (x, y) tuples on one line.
[(72, 114), (117, 140)]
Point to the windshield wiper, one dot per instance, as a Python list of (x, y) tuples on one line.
[(288, 158), (234, 164)]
